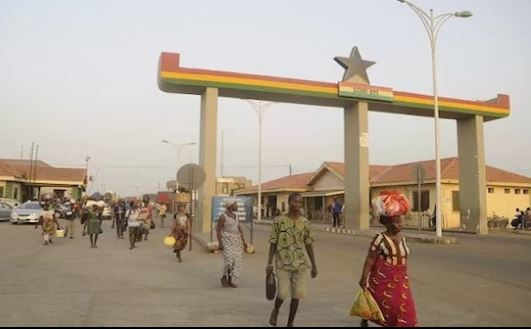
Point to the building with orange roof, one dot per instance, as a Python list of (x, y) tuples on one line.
[(506, 191), (19, 177)]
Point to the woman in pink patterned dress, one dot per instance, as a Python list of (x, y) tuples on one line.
[(385, 270)]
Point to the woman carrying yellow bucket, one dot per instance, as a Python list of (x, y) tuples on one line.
[(179, 230), (48, 221)]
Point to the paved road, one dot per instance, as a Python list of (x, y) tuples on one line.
[(480, 281)]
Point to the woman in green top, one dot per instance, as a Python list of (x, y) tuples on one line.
[(94, 225)]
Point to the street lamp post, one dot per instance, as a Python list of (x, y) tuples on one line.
[(432, 24), (178, 147), (260, 109)]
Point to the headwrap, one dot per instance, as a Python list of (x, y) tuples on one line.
[(230, 201), (390, 204)]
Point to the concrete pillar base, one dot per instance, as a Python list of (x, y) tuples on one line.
[(207, 157), (356, 166), (472, 175)]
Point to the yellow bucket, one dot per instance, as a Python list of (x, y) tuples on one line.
[(169, 241), (60, 233)]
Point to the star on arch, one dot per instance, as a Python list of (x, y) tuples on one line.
[(355, 67)]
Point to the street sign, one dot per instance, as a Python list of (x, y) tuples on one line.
[(363, 91), (245, 207), (191, 176), (243, 214)]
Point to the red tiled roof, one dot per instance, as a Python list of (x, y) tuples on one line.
[(339, 167), (41, 172), (293, 182), (24, 163), (401, 173), (449, 171)]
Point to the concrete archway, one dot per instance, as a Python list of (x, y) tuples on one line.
[(357, 97)]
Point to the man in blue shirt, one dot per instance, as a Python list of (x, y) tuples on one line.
[(336, 212)]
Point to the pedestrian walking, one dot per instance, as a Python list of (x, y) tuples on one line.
[(336, 212), (119, 218), (49, 224), (231, 242), (180, 229), (70, 219), (291, 235), (133, 223), (146, 217), (385, 270), (94, 225), (162, 213)]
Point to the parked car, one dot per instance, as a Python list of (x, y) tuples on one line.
[(62, 211), (5, 211), (12, 202), (28, 212)]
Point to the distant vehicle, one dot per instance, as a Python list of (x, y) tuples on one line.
[(12, 202), (28, 212), (62, 211), (5, 211), (107, 214)]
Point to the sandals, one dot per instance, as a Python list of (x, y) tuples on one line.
[(224, 282)]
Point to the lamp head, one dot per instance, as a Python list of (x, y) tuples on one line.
[(463, 14)]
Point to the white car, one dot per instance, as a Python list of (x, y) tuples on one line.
[(12, 202), (28, 212), (107, 214), (5, 211)]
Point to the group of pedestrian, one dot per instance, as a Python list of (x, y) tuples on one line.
[(125, 216), (138, 219), (522, 219), (384, 272), (49, 219)]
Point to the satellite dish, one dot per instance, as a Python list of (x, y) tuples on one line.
[(191, 176)]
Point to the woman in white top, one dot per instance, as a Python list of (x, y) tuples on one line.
[(232, 242), (133, 223), (180, 229)]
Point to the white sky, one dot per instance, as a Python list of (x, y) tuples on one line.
[(79, 78)]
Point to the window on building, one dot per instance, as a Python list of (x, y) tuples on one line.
[(491, 190), (455, 200), (1, 191), (15, 193), (526, 191), (283, 206), (517, 191), (59, 193), (507, 191), (424, 200)]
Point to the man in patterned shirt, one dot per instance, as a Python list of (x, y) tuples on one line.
[(291, 234)]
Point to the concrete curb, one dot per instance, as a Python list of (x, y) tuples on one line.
[(409, 237), (203, 241), (521, 232), (372, 233)]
